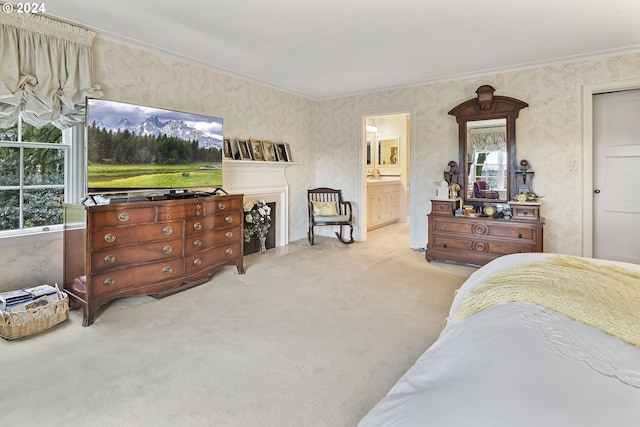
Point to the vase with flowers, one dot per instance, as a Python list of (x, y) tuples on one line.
[(257, 221)]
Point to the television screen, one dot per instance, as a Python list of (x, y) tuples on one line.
[(135, 147)]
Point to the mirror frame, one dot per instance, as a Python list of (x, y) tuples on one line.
[(486, 106)]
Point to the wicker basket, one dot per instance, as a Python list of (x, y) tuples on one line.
[(22, 323)]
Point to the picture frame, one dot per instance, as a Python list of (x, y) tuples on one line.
[(281, 152), (269, 151), (288, 149), (227, 150), (244, 152), (257, 152)]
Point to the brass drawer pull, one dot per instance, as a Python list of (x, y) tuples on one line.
[(110, 238), (229, 251), (123, 217), (444, 245), (198, 206), (221, 206), (197, 226), (197, 243), (167, 249), (167, 217), (109, 282), (480, 229), (197, 261), (229, 219), (110, 259), (167, 209), (167, 270), (525, 212), (480, 246), (198, 213), (519, 235), (229, 234), (167, 230)]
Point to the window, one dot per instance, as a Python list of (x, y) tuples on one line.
[(490, 167), (33, 177)]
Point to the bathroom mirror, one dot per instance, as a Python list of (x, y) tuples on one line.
[(487, 146), (388, 152)]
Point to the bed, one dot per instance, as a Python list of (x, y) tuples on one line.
[(512, 353)]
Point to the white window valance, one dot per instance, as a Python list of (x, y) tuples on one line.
[(45, 71), (488, 139)]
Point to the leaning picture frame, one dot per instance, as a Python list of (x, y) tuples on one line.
[(257, 153), (243, 149), (269, 151), (227, 150), (281, 152), (288, 149)]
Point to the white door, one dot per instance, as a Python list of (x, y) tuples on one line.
[(616, 178)]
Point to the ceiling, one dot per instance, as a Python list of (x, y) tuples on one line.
[(332, 48)]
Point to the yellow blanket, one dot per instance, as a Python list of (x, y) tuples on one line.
[(602, 296)]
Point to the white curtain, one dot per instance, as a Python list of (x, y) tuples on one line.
[(488, 139), (45, 71)]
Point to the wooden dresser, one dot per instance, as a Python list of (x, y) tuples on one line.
[(478, 240), (148, 248)]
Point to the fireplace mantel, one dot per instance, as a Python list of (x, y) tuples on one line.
[(261, 180)]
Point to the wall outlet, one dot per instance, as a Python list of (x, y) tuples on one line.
[(573, 165)]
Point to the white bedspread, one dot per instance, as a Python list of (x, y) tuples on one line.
[(517, 365)]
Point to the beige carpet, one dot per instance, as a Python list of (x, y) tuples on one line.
[(309, 336)]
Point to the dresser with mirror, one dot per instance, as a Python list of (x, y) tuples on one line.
[(470, 228)]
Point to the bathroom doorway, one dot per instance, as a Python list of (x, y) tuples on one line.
[(386, 158)]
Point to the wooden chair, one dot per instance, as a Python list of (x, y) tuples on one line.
[(326, 207)]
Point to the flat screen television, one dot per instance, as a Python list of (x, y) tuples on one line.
[(132, 148)]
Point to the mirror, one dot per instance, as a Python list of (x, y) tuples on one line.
[(487, 146), (487, 160), (388, 152)]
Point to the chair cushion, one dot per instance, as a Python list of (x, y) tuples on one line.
[(331, 218), (325, 208)]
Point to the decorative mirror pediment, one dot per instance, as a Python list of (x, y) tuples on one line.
[(487, 146)]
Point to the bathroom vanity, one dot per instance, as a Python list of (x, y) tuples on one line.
[(383, 201)]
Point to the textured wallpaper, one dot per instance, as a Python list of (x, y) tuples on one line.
[(549, 135), (325, 135)]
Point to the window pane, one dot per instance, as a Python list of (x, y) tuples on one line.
[(43, 166), (9, 133), (47, 133), (9, 209), (42, 207), (9, 166)]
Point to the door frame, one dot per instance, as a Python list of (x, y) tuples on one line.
[(362, 134), (588, 91)]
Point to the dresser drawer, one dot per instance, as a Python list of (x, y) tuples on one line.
[(444, 225), (447, 242), (223, 205), (525, 212), (230, 219), (124, 216), (215, 256), (481, 246), (514, 232), (116, 236), (131, 278), (132, 254), (209, 239), (443, 207), (193, 210)]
